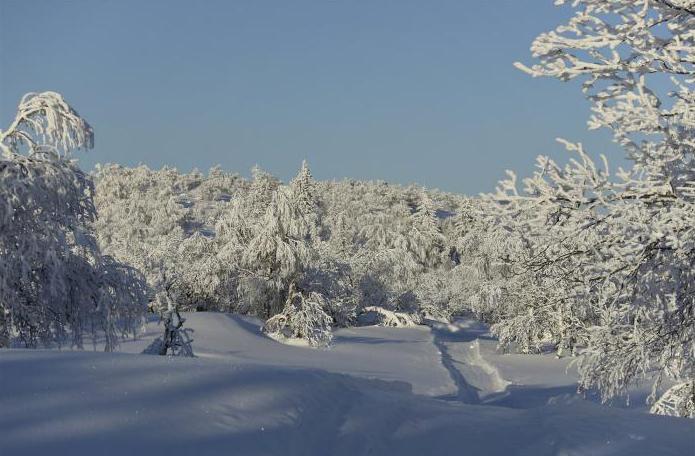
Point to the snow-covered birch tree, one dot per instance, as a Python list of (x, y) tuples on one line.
[(608, 257), (55, 286)]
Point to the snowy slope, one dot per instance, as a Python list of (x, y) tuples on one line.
[(249, 395)]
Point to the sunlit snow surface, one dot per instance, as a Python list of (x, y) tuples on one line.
[(377, 391)]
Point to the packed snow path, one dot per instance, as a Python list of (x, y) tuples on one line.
[(459, 346), (250, 395)]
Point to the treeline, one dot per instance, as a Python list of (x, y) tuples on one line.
[(326, 251), (577, 259)]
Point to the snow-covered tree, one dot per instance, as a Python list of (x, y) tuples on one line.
[(260, 194), (55, 286), (204, 281), (425, 239), (391, 242), (303, 316), (305, 197), (176, 340), (121, 300), (227, 244), (677, 401), (141, 216), (607, 259), (163, 219), (275, 256)]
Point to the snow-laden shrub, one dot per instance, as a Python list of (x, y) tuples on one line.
[(302, 317), (176, 340), (330, 277), (384, 317)]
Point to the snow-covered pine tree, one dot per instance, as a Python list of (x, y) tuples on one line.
[(260, 195), (275, 255), (304, 196), (425, 239)]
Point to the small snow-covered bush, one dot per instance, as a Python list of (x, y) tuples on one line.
[(303, 317), (385, 317), (176, 340)]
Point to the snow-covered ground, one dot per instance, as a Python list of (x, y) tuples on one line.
[(395, 354), (376, 391)]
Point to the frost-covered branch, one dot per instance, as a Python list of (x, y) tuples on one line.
[(603, 261), (46, 119)]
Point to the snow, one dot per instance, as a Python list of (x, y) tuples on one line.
[(394, 354), (374, 392)]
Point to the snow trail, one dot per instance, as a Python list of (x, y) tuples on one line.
[(442, 336), (459, 346)]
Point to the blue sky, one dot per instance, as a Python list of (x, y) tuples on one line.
[(405, 91)]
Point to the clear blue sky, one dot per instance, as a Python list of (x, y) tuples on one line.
[(405, 91)]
